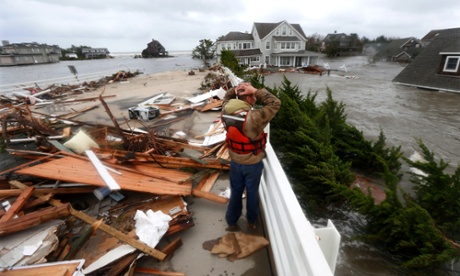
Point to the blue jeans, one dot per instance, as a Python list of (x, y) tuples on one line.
[(241, 177)]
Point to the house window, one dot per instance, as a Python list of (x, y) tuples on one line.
[(283, 30), (451, 64), (245, 46), (267, 45), (285, 61)]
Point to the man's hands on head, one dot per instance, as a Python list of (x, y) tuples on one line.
[(245, 88)]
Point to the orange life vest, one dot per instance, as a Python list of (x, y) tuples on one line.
[(237, 141)]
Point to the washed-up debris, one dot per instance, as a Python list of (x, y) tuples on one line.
[(78, 192), (54, 93)]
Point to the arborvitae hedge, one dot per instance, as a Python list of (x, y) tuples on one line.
[(320, 151)]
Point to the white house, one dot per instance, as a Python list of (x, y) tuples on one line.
[(274, 44)]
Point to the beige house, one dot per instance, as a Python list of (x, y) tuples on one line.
[(28, 53), (269, 44)]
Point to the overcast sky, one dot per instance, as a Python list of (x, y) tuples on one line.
[(128, 25)]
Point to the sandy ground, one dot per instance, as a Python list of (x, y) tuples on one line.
[(119, 96)]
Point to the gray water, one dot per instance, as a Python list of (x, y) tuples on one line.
[(373, 103), (404, 114), (12, 79)]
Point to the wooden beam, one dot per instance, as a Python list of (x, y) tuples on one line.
[(60, 191), (115, 233), (154, 271), (33, 219), (172, 247), (209, 196), (18, 204)]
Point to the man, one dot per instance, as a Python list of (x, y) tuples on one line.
[(246, 141)]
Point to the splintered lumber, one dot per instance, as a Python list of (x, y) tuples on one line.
[(18, 204), (209, 196), (209, 182), (56, 191), (73, 169), (67, 268), (113, 232), (211, 104), (121, 265), (34, 203), (114, 120), (169, 161), (172, 247), (154, 271), (32, 219)]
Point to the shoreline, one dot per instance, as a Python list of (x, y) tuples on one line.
[(119, 96)]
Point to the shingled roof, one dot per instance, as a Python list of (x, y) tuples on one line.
[(235, 36), (424, 71), (263, 29)]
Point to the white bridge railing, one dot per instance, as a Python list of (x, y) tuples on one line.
[(296, 247)]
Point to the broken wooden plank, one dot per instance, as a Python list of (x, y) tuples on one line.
[(154, 271), (67, 268), (32, 219), (206, 187), (34, 203), (75, 170), (167, 161), (113, 232), (122, 264), (57, 191), (18, 204), (209, 196), (172, 247)]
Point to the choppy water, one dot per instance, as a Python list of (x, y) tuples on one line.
[(372, 102)]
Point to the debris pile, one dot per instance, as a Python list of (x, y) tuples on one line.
[(53, 93), (79, 193)]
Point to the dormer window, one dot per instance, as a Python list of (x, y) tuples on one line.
[(451, 64)]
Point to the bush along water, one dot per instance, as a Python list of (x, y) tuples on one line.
[(321, 152)]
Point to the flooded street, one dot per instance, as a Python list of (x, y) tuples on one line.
[(374, 103)]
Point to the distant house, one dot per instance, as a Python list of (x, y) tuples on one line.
[(28, 53), (344, 43), (437, 67), (276, 44), (154, 49), (402, 50), (90, 53)]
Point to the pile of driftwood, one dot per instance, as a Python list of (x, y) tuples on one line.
[(72, 200)]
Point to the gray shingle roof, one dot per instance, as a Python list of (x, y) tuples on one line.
[(263, 29), (423, 70), (247, 53), (234, 36)]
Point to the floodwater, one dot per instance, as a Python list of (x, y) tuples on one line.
[(404, 114), (372, 103)]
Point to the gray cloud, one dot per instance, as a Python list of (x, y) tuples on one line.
[(122, 25)]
